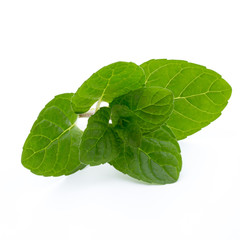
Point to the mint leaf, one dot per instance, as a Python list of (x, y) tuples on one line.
[(52, 147), (149, 107), (157, 160), (121, 115), (125, 125), (108, 83), (200, 94), (131, 133), (99, 142)]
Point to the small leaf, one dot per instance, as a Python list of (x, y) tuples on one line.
[(149, 107), (130, 133), (125, 125), (108, 83), (52, 147), (200, 94), (99, 142), (121, 114), (157, 160)]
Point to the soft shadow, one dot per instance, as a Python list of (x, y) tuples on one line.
[(98, 175)]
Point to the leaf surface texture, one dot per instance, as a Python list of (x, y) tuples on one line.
[(149, 107), (99, 142), (52, 147), (108, 83), (200, 94), (157, 160)]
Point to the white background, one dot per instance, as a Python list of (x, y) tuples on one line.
[(50, 47)]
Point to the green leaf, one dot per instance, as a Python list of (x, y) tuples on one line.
[(99, 142), (150, 107), (52, 147), (200, 94), (125, 125), (131, 133), (157, 160), (108, 83), (121, 115)]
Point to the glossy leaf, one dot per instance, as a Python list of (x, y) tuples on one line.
[(99, 142), (149, 106), (200, 94), (52, 147), (157, 160), (108, 83)]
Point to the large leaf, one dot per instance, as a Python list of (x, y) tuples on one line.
[(52, 147), (108, 83), (157, 160), (200, 94), (149, 107), (99, 142)]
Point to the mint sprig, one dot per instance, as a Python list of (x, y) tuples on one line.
[(151, 106)]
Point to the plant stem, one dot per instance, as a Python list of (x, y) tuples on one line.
[(87, 114), (98, 104), (91, 111)]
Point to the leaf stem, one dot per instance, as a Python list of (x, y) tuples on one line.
[(98, 104), (87, 114), (91, 111)]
